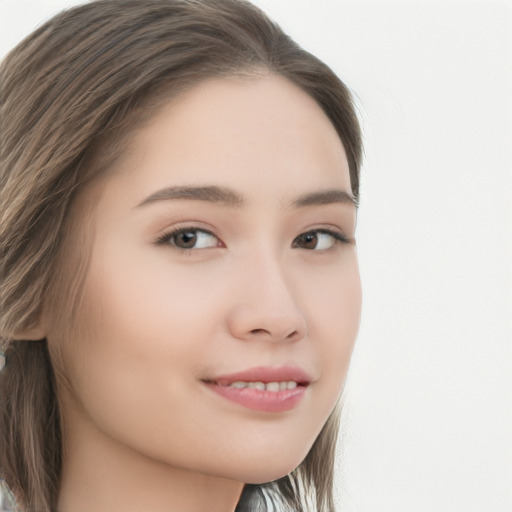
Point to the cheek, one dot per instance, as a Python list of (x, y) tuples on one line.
[(335, 311), (334, 302), (137, 321), (132, 370), (140, 339)]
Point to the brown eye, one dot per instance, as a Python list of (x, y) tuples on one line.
[(189, 238), (185, 240), (306, 241), (319, 240)]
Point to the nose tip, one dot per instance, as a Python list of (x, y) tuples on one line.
[(266, 303), (267, 313)]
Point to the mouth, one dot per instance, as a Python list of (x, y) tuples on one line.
[(273, 387), (264, 389)]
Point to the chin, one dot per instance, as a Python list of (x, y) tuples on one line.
[(267, 470)]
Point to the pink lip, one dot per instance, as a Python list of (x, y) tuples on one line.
[(263, 400)]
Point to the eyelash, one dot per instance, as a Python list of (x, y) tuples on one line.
[(336, 235), (165, 238)]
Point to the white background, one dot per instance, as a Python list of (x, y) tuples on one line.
[(428, 413)]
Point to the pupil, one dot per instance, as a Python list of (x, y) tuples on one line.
[(310, 240), (187, 240)]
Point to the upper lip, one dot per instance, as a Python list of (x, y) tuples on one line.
[(265, 374)]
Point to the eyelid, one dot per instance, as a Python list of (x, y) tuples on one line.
[(339, 237), (164, 239), (166, 236)]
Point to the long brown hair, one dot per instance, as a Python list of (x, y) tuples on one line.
[(70, 94)]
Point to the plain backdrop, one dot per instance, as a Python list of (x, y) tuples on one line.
[(428, 411)]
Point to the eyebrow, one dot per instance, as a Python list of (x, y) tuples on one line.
[(326, 197), (228, 197), (211, 194)]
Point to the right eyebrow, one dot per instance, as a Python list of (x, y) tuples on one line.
[(211, 194)]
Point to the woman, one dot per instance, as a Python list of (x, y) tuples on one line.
[(180, 290)]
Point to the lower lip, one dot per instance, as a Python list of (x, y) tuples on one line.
[(258, 400)]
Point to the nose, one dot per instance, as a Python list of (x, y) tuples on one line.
[(265, 306)]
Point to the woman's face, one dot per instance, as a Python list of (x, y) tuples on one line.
[(223, 256)]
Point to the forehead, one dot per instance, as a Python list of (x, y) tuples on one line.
[(238, 132)]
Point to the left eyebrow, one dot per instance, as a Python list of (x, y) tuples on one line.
[(211, 194), (326, 197)]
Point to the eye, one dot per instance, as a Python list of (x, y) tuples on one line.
[(319, 240), (189, 238)]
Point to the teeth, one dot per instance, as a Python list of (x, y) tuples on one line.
[(261, 386), (239, 385), (272, 386)]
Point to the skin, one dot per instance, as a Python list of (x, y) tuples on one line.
[(142, 431)]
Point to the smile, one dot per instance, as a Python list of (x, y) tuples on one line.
[(263, 389), (261, 386)]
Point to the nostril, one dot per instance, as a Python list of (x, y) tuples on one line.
[(264, 332), (259, 331)]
